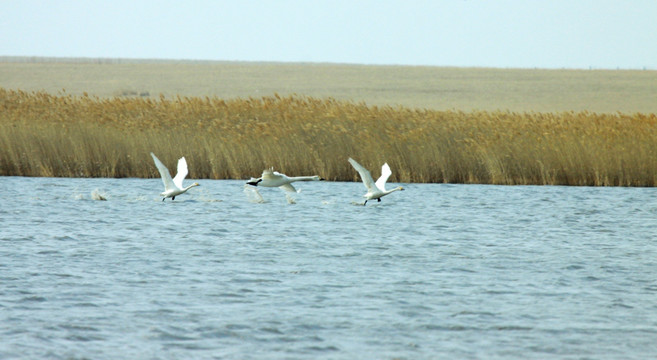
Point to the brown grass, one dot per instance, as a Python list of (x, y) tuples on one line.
[(84, 136), (424, 87)]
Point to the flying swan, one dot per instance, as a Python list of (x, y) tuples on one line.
[(173, 187), (271, 178), (378, 189)]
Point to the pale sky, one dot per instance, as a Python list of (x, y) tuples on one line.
[(482, 33)]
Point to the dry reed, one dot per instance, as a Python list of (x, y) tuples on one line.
[(83, 136)]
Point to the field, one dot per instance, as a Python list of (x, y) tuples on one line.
[(231, 120), (436, 88)]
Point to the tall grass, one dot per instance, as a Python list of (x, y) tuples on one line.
[(71, 136)]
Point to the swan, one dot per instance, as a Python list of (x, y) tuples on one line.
[(173, 187), (271, 178), (375, 190)]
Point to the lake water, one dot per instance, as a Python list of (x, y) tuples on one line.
[(434, 272)]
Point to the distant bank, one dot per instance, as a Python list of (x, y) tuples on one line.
[(437, 88)]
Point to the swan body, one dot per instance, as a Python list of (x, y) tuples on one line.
[(375, 190), (173, 187), (271, 178)]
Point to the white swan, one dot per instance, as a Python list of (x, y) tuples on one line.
[(375, 190), (173, 187), (271, 178)]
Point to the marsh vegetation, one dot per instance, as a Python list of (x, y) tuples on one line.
[(87, 136)]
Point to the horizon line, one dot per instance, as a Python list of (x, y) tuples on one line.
[(137, 60)]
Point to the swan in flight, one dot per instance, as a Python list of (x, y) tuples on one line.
[(173, 187), (375, 190), (271, 178)]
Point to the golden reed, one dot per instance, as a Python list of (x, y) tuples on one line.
[(69, 136)]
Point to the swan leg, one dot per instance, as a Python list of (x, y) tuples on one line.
[(173, 198), (379, 200), (365, 203), (164, 199)]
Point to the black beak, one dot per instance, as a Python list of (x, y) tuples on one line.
[(253, 183)]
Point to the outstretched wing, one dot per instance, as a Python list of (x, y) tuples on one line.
[(271, 175), (385, 174), (164, 173), (288, 188), (364, 174), (182, 172)]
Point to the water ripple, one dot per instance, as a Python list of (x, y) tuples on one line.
[(485, 272)]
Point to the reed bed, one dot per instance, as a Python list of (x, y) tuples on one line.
[(84, 136)]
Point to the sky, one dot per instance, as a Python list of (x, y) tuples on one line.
[(598, 34)]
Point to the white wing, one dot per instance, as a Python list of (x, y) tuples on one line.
[(164, 173), (364, 174), (271, 175), (182, 172), (288, 187), (385, 174)]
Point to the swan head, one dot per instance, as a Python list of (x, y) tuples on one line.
[(400, 188), (196, 184), (254, 182)]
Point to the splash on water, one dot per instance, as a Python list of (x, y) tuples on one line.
[(97, 194), (204, 196), (253, 195)]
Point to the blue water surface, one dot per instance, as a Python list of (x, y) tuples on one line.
[(434, 272)]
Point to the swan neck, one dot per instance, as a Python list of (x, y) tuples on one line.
[(190, 186), (303, 178), (392, 190)]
